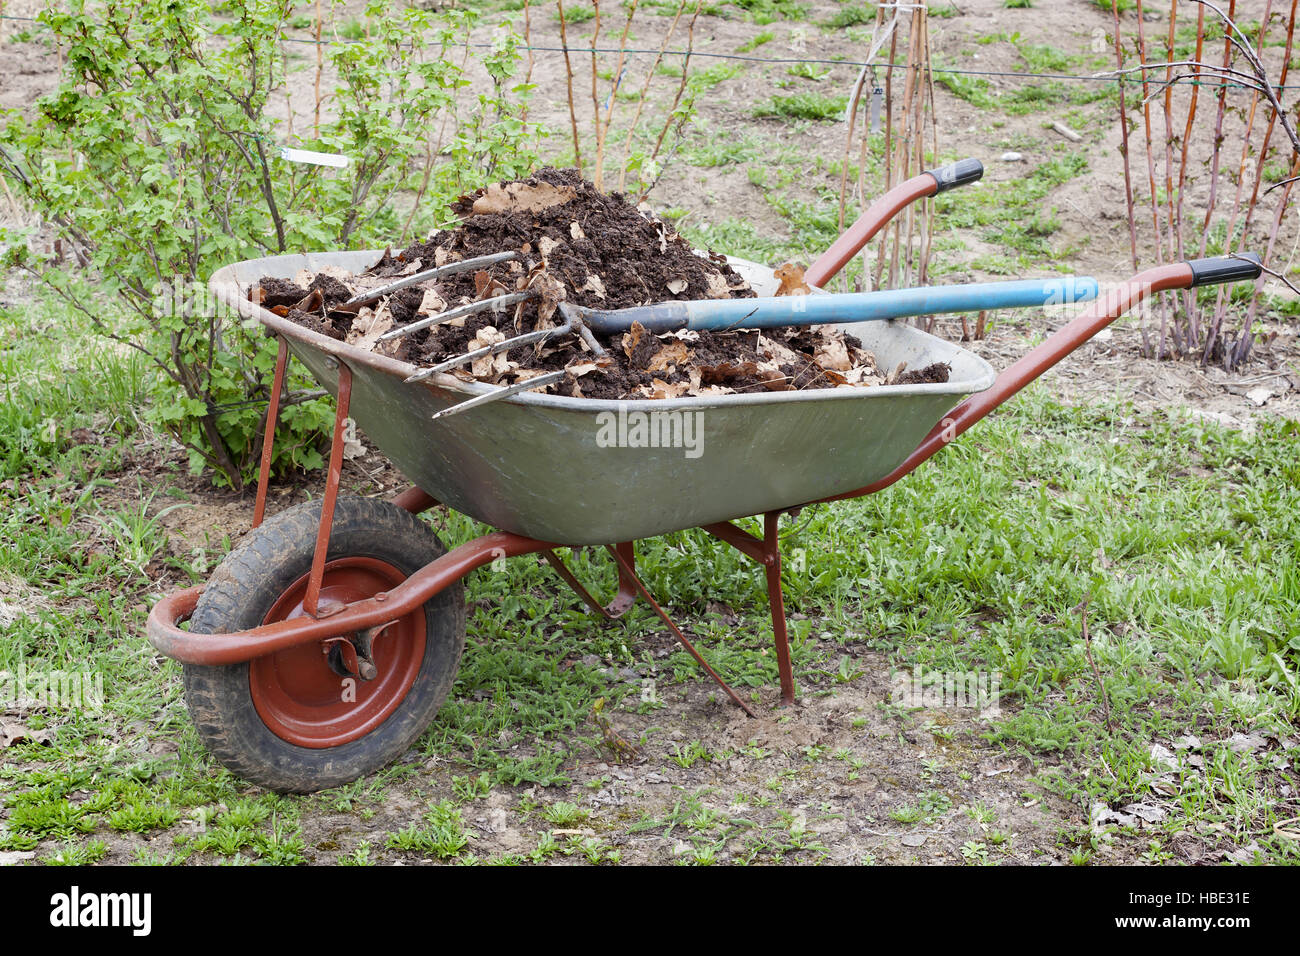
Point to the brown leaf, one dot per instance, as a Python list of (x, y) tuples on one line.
[(12, 732), (776, 351), (431, 304), (658, 388), (726, 372), (667, 358), (521, 197), (632, 338), (772, 378), (489, 367), (792, 281), (311, 302), (552, 292), (832, 353), (486, 287), (718, 288), (368, 326)]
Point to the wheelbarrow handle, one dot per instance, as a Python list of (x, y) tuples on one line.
[(1106, 309), (929, 183), (1221, 269)]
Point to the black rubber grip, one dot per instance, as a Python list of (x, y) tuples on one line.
[(1221, 269), (961, 173)]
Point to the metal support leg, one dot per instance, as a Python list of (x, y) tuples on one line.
[(623, 600), (268, 437), (766, 552), (776, 600), (311, 598), (625, 567), (414, 500), (627, 581)]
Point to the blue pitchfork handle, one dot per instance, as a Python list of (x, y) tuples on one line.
[(715, 315)]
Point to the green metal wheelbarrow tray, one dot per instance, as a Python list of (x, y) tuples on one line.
[(325, 643)]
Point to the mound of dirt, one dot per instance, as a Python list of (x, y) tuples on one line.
[(573, 244)]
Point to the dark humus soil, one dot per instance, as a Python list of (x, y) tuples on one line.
[(578, 245)]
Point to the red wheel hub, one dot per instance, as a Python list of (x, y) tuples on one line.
[(301, 698)]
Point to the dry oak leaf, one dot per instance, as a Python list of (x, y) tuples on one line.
[(432, 304), (772, 378), (718, 288), (368, 325), (832, 352), (552, 293), (521, 197), (632, 338), (792, 281), (489, 367), (671, 355), (658, 388)]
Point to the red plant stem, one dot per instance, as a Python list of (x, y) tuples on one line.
[(568, 70), (1189, 297), (1232, 243), (645, 92), (1124, 151), (1272, 116), (1151, 171), (1218, 135), (889, 148), (1246, 340)]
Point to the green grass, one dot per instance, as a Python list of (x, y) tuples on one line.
[(807, 106), (758, 40), (1013, 215), (1180, 533), (852, 15), (764, 12)]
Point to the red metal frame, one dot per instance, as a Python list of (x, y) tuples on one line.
[(869, 223), (331, 621)]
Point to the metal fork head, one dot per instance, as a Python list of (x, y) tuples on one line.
[(451, 268), (482, 305), (572, 323)]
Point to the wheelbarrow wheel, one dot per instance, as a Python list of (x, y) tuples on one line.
[(300, 720)]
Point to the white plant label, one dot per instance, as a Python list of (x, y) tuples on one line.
[(316, 159)]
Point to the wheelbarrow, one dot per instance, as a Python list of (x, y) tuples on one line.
[(327, 640)]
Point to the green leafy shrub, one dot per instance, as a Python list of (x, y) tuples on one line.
[(157, 162)]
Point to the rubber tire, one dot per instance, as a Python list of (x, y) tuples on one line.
[(246, 586)]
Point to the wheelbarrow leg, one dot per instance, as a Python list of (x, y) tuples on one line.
[(625, 567), (268, 437), (627, 581), (776, 600), (766, 552)]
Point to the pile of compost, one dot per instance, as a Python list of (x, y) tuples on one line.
[(575, 244)]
